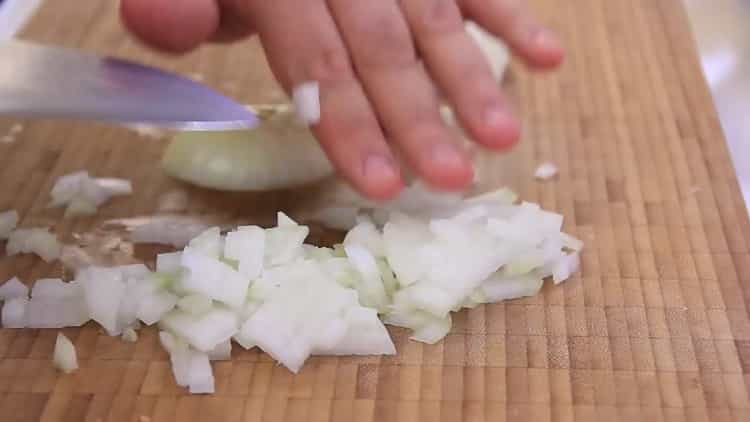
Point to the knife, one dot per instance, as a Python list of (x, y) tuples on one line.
[(51, 82)]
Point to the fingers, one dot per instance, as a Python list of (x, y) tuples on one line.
[(382, 49), (181, 25), (511, 21), (302, 43), (171, 25), (462, 71)]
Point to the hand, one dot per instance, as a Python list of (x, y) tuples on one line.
[(380, 64)]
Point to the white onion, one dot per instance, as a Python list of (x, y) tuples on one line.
[(223, 351), (546, 171), (195, 304), (36, 240), (213, 278), (103, 289), (202, 332), (12, 289), (278, 154), (247, 246), (83, 194), (15, 313), (129, 335), (200, 377), (8, 223), (307, 102), (165, 232), (64, 356)]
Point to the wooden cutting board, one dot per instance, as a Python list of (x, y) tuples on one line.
[(654, 328)]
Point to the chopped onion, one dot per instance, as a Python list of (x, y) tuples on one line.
[(546, 171), (103, 289), (195, 304), (200, 377), (213, 278), (223, 351), (129, 335), (15, 313), (278, 154), (8, 223), (13, 289), (64, 356), (202, 332), (247, 246), (164, 232), (82, 194), (307, 102), (38, 241)]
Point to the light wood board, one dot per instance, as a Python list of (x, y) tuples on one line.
[(654, 328)]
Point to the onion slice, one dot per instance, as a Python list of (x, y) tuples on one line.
[(64, 356)]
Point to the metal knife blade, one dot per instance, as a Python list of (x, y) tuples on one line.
[(52, 82)]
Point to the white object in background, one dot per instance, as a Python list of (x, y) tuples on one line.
[(14, 14)]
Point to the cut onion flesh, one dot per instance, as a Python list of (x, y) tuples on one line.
[(13, 289), (35, 240), (65, 358), (8, 223), (265, 288), (83, 194), (278, 154)]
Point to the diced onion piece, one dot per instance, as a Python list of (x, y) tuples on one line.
[(433, 331), (195, 304), (247, 246), (209, 243), (36, 240), (223, 351), (365, 334), (45, 312), (12, 289), (200, 378), (203, 332), (103, 289), (164, 232), (499, 287), (307, 102), (155, 305), (15, 313), (278, 154), (64, 356), (546, 171), (8, 223), (82, 194), (284, 244), (566, 266), (213, 278), (371, 290), (169, 263), (367, 235), (55, 288), (129, 335)]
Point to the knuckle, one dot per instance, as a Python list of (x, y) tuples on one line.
[(332, 65), (438, 16), (383, 42)]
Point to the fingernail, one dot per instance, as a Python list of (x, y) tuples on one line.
[(380, 167), (543, 37), (496, 116), (446, 155)]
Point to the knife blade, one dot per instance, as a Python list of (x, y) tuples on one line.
[(52, 82)]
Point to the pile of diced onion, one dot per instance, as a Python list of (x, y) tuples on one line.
[(266, 288)]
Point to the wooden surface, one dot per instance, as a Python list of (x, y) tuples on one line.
[(655, 328)]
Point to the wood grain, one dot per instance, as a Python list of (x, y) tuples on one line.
[(655, 327)]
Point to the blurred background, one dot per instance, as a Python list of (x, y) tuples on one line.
[(722, 33)]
